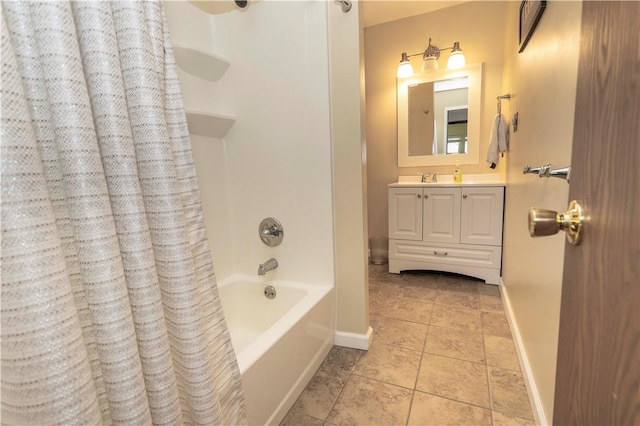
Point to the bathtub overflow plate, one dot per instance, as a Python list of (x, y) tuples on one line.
[(269, 292)]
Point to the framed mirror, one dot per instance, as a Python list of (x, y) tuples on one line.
[(439, 117)]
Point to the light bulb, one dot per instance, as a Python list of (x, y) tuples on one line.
[(456, 59), (405, 69), (430, 63)]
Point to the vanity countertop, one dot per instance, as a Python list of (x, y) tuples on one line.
[(492, 179)]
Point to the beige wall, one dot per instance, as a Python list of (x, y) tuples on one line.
[(479, 27), (542, 82)]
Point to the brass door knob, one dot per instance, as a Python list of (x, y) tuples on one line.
[(544, 222)]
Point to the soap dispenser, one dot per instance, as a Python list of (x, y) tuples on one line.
[(457, 174)]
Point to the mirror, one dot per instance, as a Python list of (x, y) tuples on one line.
[(439, 117)]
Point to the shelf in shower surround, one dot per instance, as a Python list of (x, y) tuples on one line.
[(209, 124), (202, 64), (214, 7)]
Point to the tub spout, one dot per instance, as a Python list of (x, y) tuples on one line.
[(267, 266)]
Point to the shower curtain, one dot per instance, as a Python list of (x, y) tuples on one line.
[(109, 307)]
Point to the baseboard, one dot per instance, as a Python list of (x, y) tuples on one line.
[(354, 340), (532, 389)]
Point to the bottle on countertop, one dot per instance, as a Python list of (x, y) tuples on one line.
[(457, 174)]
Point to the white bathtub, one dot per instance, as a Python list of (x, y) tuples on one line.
[(279, 342)]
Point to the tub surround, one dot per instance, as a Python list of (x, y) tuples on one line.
[(258, 167)]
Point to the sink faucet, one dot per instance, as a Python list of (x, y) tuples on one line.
[(425, 177), (267, 266)]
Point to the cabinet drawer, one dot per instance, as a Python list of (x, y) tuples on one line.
[(451, 254)]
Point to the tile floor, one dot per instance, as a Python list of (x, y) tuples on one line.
[(442, 354)]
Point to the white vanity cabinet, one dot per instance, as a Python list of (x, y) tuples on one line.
[(450, 228)]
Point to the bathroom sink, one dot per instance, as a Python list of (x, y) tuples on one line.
[(471, 179), (413, 180)]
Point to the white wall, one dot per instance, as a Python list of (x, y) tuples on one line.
[(276, 159), (278, 152), (349, 174)]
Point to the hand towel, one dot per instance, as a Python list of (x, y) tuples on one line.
[(499, 139)]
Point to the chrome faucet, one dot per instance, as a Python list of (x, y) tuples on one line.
[(267, 266), (424, 177)]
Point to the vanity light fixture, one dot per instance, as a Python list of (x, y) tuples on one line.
[(430, 59)]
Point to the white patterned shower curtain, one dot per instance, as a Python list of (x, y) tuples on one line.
[(110, 312)]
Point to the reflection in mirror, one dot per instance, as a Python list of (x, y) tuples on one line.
[(456, 129), (438, 117), (422, 120)]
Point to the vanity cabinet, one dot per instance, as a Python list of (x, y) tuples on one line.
[(447, 228)]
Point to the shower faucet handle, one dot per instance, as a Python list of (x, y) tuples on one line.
[(271, 231)]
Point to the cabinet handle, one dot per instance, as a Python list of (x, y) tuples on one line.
[(440, 253), (419, 196), (464, 196)]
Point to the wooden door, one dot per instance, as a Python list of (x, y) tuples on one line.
[(481, 215), (441, 215), (405, 213), (598, 369)]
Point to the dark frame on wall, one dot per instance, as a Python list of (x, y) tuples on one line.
[(530, 13)]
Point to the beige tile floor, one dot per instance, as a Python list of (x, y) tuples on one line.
[(442, 354)]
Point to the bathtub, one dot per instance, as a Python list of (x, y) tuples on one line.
[(279, 342)]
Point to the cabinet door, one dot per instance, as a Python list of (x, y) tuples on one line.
[(482, 214), (441, 215), (405, 213)]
